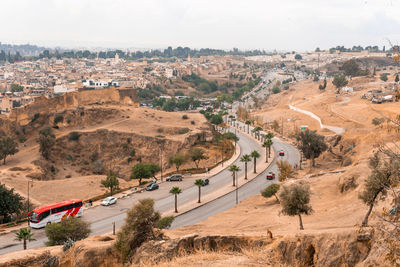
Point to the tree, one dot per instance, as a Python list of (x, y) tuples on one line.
[(339, 81), (285, 170), (16, 88), (216, 119), (140, 171), (138, 228), (245, 158), (69, 228), (46, 141), (175, 191), (256, 131), (270, 191), (178, 160), (199, 183), (384, 77), (153, 169), (295, 200), (298, 57), (197, 154), (234, 169), (10, 203), (7, 147), (311, 144), (378, 182), (111, 181), (397, 78), (254, 154), (248, 126), (165, 222), (351, 68), (267, 144), (24, 234), (322, 87)]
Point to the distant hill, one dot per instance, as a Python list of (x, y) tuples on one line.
[(24, 49)]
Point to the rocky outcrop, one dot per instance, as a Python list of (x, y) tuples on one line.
[(348, 248), (155, 251), (339, 249)]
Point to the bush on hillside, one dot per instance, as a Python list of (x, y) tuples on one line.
[(71, 228)]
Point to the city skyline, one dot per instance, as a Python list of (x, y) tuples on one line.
[(290, 25)]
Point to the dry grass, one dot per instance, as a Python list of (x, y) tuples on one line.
[(249, 256)]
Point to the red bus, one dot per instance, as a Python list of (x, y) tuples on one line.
[(54, 213)]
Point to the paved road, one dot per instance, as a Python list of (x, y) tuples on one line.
[(250, 189), (101, 218)]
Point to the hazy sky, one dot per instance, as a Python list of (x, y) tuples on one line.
[(249, 24)]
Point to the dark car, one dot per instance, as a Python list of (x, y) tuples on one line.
[(270, 176), (281, 153), (206, 182), (152, 187), (174, 177)]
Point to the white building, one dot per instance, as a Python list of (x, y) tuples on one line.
[(61, 89)]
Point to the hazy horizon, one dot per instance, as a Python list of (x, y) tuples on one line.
[(255, 24)]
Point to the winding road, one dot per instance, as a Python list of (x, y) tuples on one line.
[(101, 218)]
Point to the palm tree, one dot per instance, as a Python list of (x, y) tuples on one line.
[(233, 168), (254, 154), (24, 234), (199, 183), (248, 126), (175, 191), (267, 144), (245, 158), (256, 131)]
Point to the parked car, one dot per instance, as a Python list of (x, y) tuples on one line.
[(152, 186), (281, 153), (206, 182), (109, 201), (174, 177), (270, 176)]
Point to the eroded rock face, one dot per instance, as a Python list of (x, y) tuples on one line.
[(348, 248), (323, 249), (156, 251)]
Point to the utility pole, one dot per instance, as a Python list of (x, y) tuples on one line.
[(237, 189), (235, 140), (29, 207)]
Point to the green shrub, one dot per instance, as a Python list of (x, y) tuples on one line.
[(165, 222), (185, 117), (183, 131), (94, 157), (35, 117), (276, 90), (22, 139), (70, 228), (133, 153), (70, 158), (58, 118), (377, 121), (86, 162), (52, 169), (73, 136)]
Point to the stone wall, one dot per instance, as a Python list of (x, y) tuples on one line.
[(23, 115)]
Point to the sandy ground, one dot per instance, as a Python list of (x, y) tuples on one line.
[(333, 210), (142, 121)]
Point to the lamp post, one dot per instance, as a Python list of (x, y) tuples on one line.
[(30, 183), (237, 189)]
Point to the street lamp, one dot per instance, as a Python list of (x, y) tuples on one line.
[(31, 184), (237, 189)]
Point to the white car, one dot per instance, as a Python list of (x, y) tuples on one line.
[(109, 201)]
